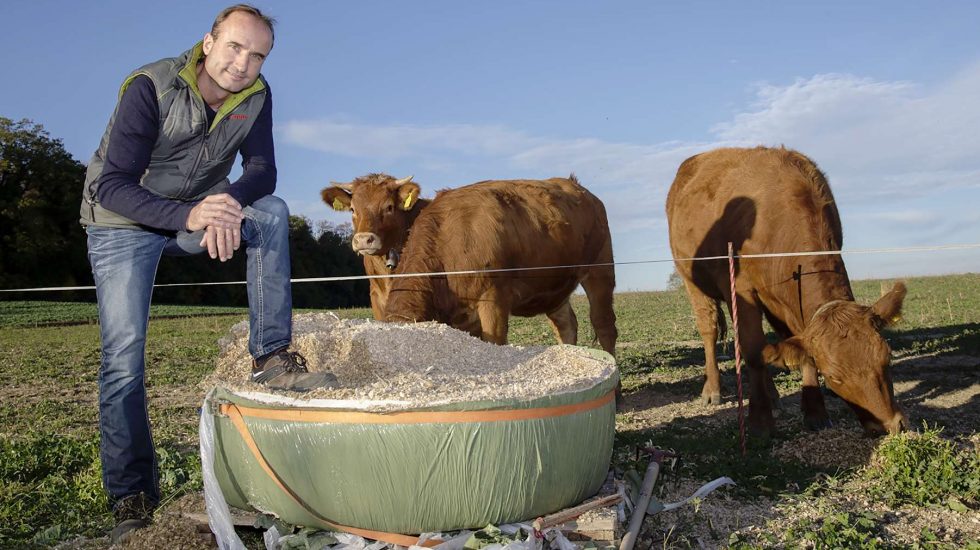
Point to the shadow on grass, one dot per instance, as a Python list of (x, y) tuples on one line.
[(962, 339), (709, 449), (683, 366), (941, 362)]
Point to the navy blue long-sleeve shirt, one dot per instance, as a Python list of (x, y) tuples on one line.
[(128, 155)]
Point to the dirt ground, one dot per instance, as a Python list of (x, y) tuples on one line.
[(941, 391)]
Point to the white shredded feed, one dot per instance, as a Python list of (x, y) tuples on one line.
[(405, 365)]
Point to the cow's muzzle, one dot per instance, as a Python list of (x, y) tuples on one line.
[(896, 424), (366, 244)]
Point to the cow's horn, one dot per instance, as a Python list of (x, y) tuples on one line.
[(404, 180), (345, 186)]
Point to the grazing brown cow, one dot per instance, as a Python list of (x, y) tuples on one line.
[(383, 209), (768, 201), (504, 225)]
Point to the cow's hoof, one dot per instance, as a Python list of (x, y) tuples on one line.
[(816, 424), (711, 398), (762, 433), (761, 426)]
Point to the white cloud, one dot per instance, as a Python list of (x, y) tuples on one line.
[(799, 110), (872, 136), (405, 141), (885, 146), (920, 217)]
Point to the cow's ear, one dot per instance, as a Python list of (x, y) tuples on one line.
[(888, 309), (408, 195), (337, 196), (789, 354)]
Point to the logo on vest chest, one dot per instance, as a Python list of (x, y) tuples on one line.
[(238, 117)]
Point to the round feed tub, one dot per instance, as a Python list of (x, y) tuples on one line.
[(344, 464)]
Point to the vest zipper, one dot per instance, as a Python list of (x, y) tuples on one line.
[(204, 143), (194, 167)]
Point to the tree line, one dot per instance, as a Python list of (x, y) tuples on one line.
[(42, 243)]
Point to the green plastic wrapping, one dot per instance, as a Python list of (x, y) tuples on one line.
[(419, 477)]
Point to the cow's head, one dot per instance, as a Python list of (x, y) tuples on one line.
[(843, 342), (382, 209)]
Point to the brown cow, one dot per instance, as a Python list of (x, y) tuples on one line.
[(768, 201), (508, 225), (383, 209)]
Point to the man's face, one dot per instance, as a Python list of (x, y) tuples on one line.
[(234, 57)]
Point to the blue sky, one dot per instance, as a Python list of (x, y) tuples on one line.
[(884, 96)]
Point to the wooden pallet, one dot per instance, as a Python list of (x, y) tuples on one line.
[(600, 526)]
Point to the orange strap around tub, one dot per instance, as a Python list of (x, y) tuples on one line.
[(392, 538), (420, 417), (235, 414)]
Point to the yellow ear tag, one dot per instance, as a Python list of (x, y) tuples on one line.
[(337, 205), (408, 200)]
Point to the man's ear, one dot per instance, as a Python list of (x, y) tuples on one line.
[(888, 309), (408, 195), (338, 196), (788, 354)]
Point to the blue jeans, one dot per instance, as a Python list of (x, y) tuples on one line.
[(124, 264)]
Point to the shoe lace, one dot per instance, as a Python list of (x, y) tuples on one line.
[(292, 361)]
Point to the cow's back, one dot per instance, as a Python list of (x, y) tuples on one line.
[(763, 200), (512, 224)]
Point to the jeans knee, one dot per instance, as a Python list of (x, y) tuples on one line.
[(273, 206), (266, 219)]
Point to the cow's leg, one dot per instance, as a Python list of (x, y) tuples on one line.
[(782, 331), (494, 312), (706, 317), (599, 285), (564, 324), (815, 415), (772, 390), (752, 340), (377, 302), (771, 384)]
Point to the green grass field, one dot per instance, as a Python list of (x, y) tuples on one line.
[(50, 485)]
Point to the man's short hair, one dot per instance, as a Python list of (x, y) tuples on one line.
[(245, 8)]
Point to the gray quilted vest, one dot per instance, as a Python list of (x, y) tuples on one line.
[(190, 160)]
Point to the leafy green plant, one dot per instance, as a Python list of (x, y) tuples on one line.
[(835, 529), (923, 468), (846, 530), (180, 472), (51, 486), (839, 530)]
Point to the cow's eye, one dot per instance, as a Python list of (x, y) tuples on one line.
[(389, 209)]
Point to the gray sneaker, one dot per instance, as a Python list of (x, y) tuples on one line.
[(286, 370)]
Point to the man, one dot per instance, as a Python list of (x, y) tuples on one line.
[(158, 185)]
